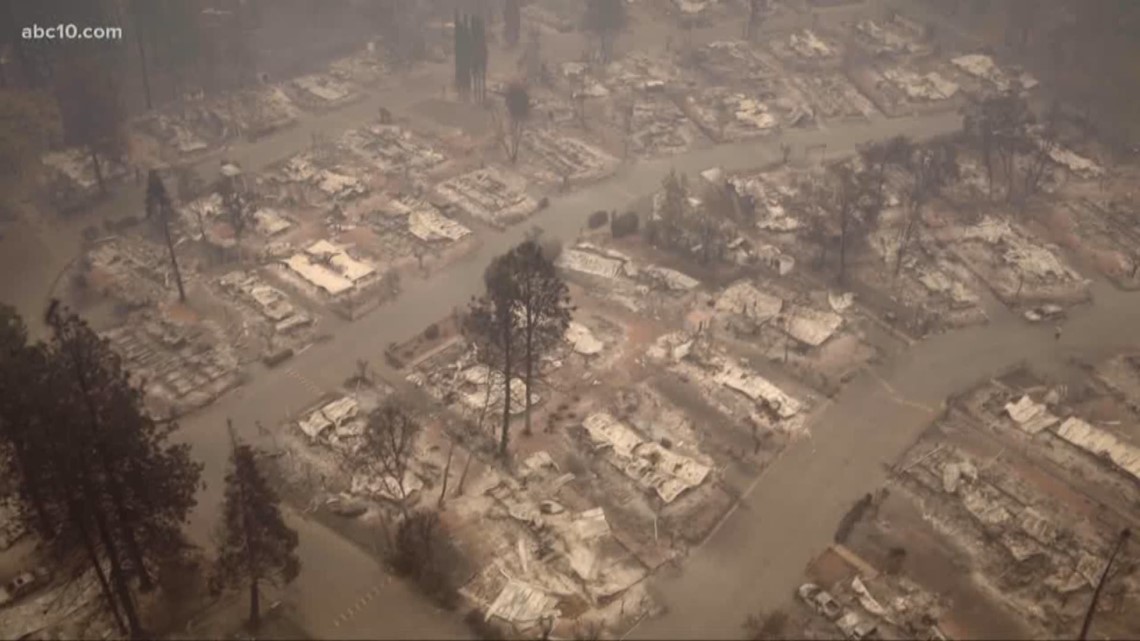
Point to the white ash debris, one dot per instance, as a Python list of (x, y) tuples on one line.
[(322, 90), (562, 157), (1018, 250), (807, 44), (391, 149), (645, 462), (491, 195), (983, 67), (928, 87), (583, 340)]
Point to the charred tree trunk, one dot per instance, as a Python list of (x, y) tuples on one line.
[(528, 374), (505, 435), (34, 489), (77, 519), (118, 576), (98, 172), (254, 604), (165, 213), (446, 475), (843, 225)]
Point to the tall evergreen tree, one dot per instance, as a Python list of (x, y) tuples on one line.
[(543, 303), (97, 470), (255, 545), (494, 327)]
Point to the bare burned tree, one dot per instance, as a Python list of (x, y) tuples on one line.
[(517, 102), (879, 157), (849, 198), (1000, 127), (932, 167), (158, 207), (389, 448)]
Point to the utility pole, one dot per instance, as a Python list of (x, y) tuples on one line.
[(1120, 541)]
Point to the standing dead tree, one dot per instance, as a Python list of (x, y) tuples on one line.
[(518, 108), (879, 157), (999, 126), (158, 207), (390, 437), (237, 206), (932, 167), (849, 198)]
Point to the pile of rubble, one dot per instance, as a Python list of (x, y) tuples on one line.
[(769, 197), (748, 307), (732, 388), (1012, 527), (646, 463), (625, 281), (268, 301), (198, 124), (658, 127), (902, 609), (252, 113), (831, 95), (939, 291), (1074, 163), (896, 37), (898, 90), (423, 221), (724, 114), (1014, 265), (72, 172), (561, 158), (990, 76), (641, 73), (192, 131), (133, 271), (806, 47), (391, 149), (179, 368), (311, 179), (362, 69), (490, 195), (327, 270), (545, 563), (320, 91), (730, 62)]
